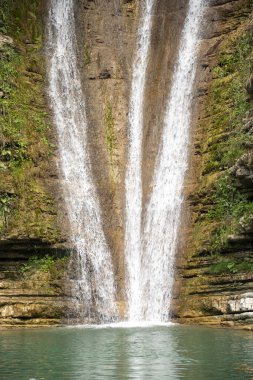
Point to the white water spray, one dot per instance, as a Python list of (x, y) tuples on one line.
[(93, 281), (156, 254), (133, 183)]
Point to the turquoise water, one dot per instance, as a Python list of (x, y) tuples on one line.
[(169, 352)]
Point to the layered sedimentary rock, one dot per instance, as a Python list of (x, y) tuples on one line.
[(107, 37), (32, 286), (30, 228), (214, 269), (215, 263), (33, 216)]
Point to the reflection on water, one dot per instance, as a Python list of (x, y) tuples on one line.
[(163, 352)]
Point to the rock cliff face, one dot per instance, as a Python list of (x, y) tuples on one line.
[(215, 264), (215, 254), (32, 234), (106, 34)]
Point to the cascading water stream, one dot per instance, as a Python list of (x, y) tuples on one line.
[(93, 281), (133, 183), (162, 218), (150, 249)]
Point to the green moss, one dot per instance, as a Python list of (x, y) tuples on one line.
[(23, 107), (222, 204), (230, 266), (228, 104), (87, 55), (47, 264), (7, 202), (44, 274), (227, 206), (25, 132), (228, 201), (110, 133), (20, 19)]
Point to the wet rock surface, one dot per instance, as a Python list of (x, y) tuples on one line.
[(214, 269), (106, 41), (32, 285)]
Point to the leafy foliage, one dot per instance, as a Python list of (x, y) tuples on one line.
[(46, 264), (6, 207), (230, 266), (228, 105), (227, 139), (228, 201), (25, 129)]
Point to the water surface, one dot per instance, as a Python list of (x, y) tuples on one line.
[(157, 353)]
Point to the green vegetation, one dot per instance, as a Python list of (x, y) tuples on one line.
[(228, 105), (44, 274), (6, 207), (230, 266), (87, 55), (18, 19), (47, 264), (23, 117), (229, 206), (110, 134), (26, 208), (227, 112), (228, 202)]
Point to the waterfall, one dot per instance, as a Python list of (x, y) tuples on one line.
[(93, 281), (133, 182), (155, 252)]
